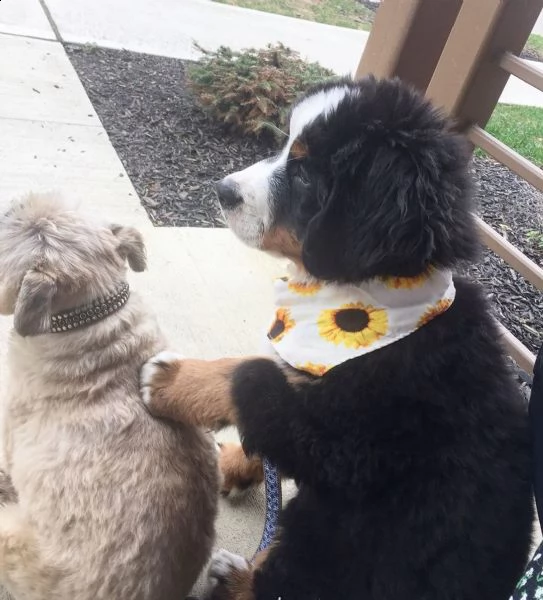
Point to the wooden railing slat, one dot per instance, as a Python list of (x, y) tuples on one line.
[(502, 153), (462, 53), (511, 254), (518, 351), (523, 70)]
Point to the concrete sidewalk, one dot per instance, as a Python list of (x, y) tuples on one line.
[(25, 17), (169, 27)]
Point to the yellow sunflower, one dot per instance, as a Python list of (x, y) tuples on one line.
[(282, 324), (313, 368), (434, 311), (408, 283), (304, 288), (354, 325)]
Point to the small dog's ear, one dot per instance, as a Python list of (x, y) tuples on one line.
[(33, 307), (131, 247)]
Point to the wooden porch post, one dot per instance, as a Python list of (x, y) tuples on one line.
[(469, 80), (407, 39)]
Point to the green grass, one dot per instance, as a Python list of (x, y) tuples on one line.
[(345, 13), (521, 128)]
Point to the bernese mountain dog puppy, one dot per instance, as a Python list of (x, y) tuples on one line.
[(392, 405)]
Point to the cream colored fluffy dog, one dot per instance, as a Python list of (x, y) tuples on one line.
[(112, 504)]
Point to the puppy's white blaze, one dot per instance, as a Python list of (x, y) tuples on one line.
[(321, 103), (254, 217), (254, 186), (251, 219)]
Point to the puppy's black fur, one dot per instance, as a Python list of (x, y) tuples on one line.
[(413, 461)]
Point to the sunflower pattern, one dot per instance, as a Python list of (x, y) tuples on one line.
[(313, 368), (305, 288), (434, 311), (408, 283), (354, 325), (319, 325), (281, 325)]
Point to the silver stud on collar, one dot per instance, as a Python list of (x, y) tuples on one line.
[(83, 316)]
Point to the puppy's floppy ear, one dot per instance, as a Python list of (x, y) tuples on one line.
[(131, 247), (33, 306), (399, 190), (321, 247), (394, 208)]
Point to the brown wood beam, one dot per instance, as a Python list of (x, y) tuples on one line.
[(407, 39), (523, 70), (468, 80)]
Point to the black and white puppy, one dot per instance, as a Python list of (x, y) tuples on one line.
[(413, 460)]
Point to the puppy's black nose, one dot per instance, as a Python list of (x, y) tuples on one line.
[(228, 194)]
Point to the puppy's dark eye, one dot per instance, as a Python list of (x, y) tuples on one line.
[(302, 175)]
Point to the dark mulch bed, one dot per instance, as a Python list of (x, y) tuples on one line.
[(513, 208), (173, 153), (372, 6), (531, 54)]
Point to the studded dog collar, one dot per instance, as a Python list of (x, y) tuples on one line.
[(83, 316)]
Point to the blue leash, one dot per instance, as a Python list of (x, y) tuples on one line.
[(272, 483)]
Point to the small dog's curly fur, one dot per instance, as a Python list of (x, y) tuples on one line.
[(413, 461)]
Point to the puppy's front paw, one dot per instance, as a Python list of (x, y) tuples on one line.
[(157, 378), (224, 563), (225, 569)]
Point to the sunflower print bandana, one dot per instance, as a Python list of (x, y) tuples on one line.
[(318, 326)]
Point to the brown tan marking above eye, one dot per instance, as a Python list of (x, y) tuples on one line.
[(298, 149)]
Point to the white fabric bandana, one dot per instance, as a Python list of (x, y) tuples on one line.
[(318, 326)]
